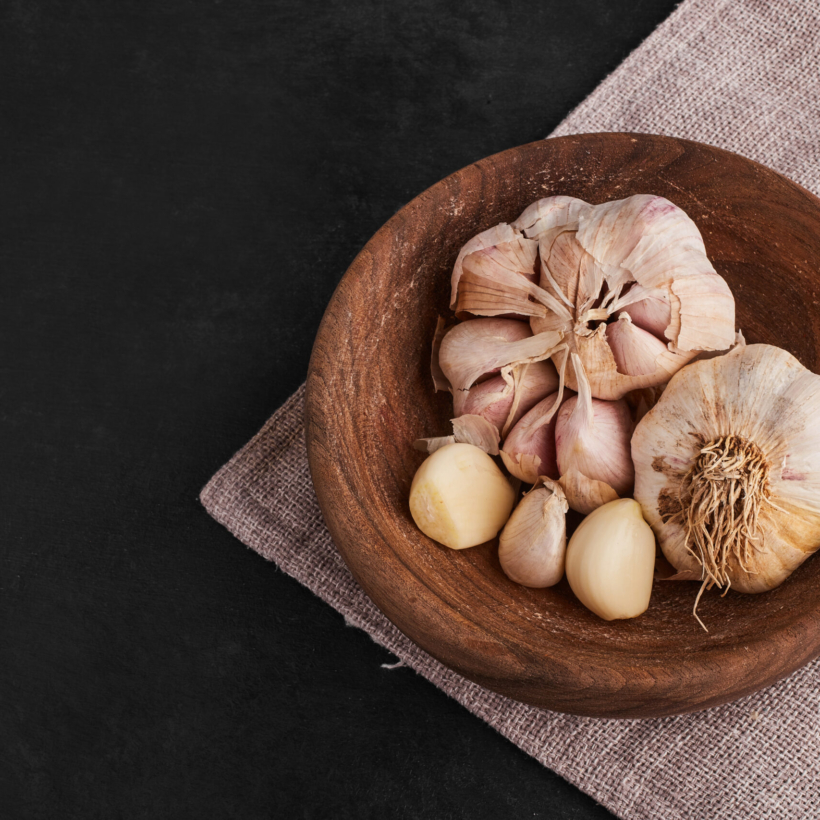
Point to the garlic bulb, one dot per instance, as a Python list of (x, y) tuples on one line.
[(611, 559), (532, 545), (639, 260), (727, 468), (481, 346), (592, 438), (459, 497), (504, 399)]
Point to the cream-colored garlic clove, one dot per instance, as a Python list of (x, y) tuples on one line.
[(583, 493), (481, 346), (459, 497), (532, 545), (529, 449), (610, 561), (593, 436)]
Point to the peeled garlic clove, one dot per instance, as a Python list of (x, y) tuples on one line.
[(593, 436), (533, 543), (583, 493), (529, 449), (610, 561), (459, 497), (480, 346)]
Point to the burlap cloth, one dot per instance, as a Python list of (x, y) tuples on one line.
[(743, 75)]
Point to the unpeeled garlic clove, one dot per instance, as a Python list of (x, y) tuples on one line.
[(480, 346), (459, 497), (636, 350), (504, 399), (532, 545), (529, 449), (593, 436), (653, 313), (610, 561)]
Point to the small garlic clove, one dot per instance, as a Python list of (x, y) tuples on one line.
[(529, 449), (532, 545), (593, 436), (459, 497), (610, 561), (636, 351), (471, 349), (491, 399), (584, 494)]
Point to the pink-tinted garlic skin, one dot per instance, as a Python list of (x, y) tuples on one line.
[(600, 450), (652, 314), (531, 437), (486, 399), (635, 350)]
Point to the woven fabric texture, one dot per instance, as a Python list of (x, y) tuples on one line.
[(743, 75)]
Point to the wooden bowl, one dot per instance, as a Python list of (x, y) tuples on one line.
[(370, 395)]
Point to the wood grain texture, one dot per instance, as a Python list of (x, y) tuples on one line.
[(370, 395)]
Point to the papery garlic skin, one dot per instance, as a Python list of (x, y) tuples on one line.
[(769, 403), (592, 441), (642, 251), (610, 561), (481, 346), (505, 399), (459, 497), (533, 543), (529, 450)]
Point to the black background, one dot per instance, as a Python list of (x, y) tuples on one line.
[(183, 184)]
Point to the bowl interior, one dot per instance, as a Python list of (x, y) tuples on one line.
[(370, 396)]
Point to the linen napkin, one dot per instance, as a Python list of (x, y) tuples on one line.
[(740, 74)]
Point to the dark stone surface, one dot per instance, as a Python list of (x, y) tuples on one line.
[(183, 184)]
